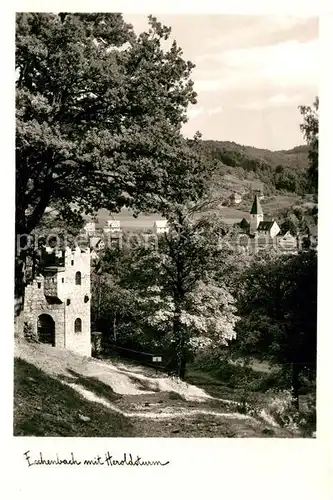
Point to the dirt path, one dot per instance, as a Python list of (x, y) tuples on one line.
[(164, 413), (157, 404), (122, 379)]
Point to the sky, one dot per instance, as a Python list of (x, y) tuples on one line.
[(251, 74)]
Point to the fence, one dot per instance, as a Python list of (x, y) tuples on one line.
[(144, 358)]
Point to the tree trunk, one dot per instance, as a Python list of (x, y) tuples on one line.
[(179, 336), (20, 246), (23, 240), (181, 361), (115, 328), (34, 261), (179, 331), (182, 366), (19, 288)]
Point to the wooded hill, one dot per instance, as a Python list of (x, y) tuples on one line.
[(279, 171)]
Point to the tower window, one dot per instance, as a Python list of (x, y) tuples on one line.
[(78, 278), (39, 285), (63, 280), (72, 262), (78, 325)]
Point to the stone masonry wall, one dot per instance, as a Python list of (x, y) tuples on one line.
[(75, 303), (79, 298), (35, 304)]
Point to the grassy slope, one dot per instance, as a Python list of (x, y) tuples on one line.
[(245, 167), (43, 406)]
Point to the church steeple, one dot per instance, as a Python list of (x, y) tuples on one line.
[(256, 207), (256, 215)]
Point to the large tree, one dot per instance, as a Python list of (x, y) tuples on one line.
[(99, 112), (180, 285), (277, 302), (310, 129), (171, 295)]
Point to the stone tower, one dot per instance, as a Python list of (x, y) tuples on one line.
[(57, 303), (256, 215)]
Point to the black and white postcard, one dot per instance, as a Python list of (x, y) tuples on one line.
[(166, 250)]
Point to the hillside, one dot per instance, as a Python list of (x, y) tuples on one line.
[(279, 175), (295, 158), (243, 168), (58, 393)]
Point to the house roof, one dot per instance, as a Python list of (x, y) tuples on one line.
[(287, 235), (256, 207), (161, 223), (94, 240), (265, 225)]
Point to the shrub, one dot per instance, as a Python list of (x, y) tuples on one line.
[(248, 403), (308, 416), (230, 374), (275, 379), (281, 406)]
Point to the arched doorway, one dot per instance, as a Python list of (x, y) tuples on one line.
[(46, 329)]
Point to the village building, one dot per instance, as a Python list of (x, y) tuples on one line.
[(259, 226), (90, 228), (287, 242), (160, 227), (57, 302), (112, 226), (269, 228), (258, 233), (236, 198), (96, 243), (256, 215)]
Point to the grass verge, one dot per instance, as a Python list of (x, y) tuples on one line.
[(43, 406)]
